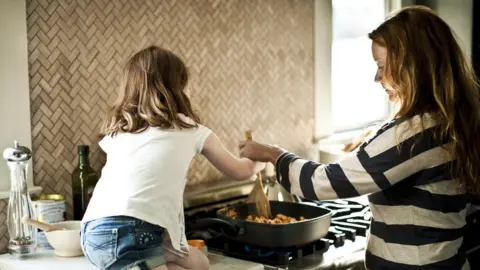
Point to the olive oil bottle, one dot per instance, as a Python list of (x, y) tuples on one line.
[(84, 179)]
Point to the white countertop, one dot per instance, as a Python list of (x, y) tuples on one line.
[(46, 260)]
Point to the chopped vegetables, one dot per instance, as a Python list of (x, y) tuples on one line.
[(279, 218)]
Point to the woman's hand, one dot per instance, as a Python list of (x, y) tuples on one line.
[(260, 152)]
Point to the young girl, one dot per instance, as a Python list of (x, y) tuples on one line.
[(150, 135)]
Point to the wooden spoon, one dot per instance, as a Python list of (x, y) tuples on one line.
[(258, 196), (37, 224)]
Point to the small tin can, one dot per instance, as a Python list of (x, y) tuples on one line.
[(48, 208), (200, 244)]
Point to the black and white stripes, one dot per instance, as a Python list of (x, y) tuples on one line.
[(418, 209)]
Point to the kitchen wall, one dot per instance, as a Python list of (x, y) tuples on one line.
[(458, 14), (251, 65), (4, 238)]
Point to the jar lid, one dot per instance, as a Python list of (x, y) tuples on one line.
[(17, 153), (49, 197), (198, 243)]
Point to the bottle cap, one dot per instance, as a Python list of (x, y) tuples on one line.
[(83, 150)]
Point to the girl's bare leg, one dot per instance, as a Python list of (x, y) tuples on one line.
[(196, 260)]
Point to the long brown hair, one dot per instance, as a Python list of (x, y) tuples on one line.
[(431, 75), (151, 94)]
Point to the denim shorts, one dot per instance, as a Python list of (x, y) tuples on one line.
[(120, 243)]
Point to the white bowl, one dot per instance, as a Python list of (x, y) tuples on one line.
[(66, 242)]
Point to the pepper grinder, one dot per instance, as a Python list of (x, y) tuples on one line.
[(22, 236)]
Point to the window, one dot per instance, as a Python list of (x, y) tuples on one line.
[(357, 101), (346, 96)]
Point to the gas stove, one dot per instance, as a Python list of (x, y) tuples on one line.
[(346, 236)]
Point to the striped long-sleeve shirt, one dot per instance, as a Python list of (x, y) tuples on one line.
[(418, 209)]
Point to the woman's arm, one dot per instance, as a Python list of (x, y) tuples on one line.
[(226, 162), (394, 153), (315, 181)]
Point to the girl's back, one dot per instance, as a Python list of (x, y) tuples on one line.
[(145, 175)]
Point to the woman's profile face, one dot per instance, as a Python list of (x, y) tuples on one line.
[(379, 54)]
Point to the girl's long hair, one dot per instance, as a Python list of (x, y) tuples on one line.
[(151, 94)]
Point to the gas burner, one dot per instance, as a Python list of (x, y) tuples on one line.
[(266, 252), (272, 257)]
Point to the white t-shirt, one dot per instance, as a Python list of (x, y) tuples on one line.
[(145, 176)]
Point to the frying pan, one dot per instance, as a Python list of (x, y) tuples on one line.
[(314, 227)]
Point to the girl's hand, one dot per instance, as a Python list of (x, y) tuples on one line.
[(227, 163), (260, 152)]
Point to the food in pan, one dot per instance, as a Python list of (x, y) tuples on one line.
[(278, 219)]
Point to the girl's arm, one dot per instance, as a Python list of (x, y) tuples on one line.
[(230, 165)]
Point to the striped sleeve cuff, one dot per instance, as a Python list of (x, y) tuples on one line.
[(282, 168), (314, 181)]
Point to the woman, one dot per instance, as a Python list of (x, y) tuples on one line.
[(419, 167)]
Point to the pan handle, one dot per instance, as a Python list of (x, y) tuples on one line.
[(228, 228)]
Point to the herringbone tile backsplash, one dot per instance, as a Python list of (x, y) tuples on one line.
[(3, 226), (251, 65)]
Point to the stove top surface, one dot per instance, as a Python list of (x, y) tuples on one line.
[(347, 236)]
